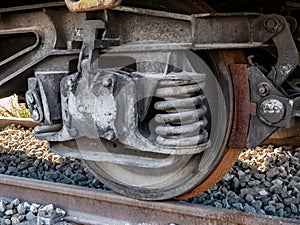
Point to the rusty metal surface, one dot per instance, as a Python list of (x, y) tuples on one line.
[(218, 173), (243, 107), (91, 5), (229, 155), (90, 206)]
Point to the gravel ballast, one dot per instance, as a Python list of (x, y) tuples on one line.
[(15, 212), (265, 180)]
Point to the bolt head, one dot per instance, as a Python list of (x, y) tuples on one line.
[(110, 135), (263, 89), (271, 25), (29, 98), (35, 115), (107, 81)]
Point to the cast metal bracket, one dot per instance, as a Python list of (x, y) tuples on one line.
[(274, 109)]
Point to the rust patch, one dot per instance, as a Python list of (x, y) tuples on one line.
[(219, 172), (91, 5), (243, 107)]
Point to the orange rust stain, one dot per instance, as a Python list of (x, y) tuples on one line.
[(219, 172), (91, 5)]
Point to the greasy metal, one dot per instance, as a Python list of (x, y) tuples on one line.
[(91, 206), (91, 5), (243, 106)]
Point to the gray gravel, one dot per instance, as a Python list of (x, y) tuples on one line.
[(264, 180), (15, 211), (16, 163)]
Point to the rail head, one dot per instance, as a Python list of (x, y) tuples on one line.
[(89, 206)]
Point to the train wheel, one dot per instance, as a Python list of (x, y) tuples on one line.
[(191, 174)]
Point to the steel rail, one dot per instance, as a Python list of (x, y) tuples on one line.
[(91, 206), (25, 122)]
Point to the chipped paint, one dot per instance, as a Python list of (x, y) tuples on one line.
[(286, 69), (91, 5)]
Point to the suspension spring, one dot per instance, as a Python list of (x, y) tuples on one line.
[(182, 121)]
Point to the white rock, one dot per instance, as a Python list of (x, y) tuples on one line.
[(263, 192), (2, 206)]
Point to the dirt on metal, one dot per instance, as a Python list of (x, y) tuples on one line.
[(240, 77)]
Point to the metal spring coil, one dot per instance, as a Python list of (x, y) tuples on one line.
[(184, 123)]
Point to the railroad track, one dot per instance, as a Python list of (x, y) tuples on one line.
[(90, 206)]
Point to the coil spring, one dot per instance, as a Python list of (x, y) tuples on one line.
[(184, 121)]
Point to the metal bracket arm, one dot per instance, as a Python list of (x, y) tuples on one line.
[(198, 31), (274, 109), (208, 31)]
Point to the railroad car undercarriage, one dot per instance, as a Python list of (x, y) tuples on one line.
[(158, 97)]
